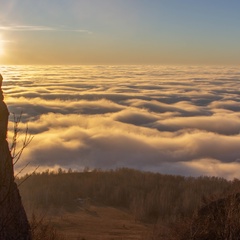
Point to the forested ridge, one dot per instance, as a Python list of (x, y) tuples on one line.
[(151, 197)]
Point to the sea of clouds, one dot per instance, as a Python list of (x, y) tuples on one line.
[(168, 119)]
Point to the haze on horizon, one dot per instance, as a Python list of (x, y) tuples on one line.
[(119, 32)]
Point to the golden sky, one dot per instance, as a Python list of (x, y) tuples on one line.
[(119, 32)]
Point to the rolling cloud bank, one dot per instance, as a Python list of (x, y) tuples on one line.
[(175, 120)]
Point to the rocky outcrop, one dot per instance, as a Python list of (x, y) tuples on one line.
[(218, 219), (13, 220)]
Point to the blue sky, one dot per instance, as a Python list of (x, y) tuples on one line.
[(120, 32)]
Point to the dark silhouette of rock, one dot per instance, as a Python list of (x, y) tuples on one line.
[(13, 220), (218, 220)]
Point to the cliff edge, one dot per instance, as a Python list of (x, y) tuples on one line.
[(13, 220)]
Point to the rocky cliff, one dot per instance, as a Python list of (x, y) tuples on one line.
[(13, 220), (219, 219)]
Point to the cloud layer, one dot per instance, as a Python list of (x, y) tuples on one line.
[(177, 120)]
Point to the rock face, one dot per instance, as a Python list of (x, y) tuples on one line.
[(219, 219), (13, 220)]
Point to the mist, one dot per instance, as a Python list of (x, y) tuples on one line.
[(174, 120)]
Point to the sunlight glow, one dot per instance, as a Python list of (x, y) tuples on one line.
[(1, 46)]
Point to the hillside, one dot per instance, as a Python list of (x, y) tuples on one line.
[(125, 203), (98, 222)]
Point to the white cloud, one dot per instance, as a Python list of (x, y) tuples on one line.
[(24, 28), (128, 116)]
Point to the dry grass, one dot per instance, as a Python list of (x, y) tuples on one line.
[(99, 223)]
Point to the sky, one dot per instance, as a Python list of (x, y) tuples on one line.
[(182, 120), (120, 32)]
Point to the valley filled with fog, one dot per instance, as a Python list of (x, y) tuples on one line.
[(167, 119)]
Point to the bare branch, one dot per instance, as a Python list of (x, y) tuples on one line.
[(15, 152), (28, 175)]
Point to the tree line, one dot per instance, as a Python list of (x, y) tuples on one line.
[(151, 197)]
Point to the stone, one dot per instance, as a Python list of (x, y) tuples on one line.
[(219, 219), (14, 224)]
